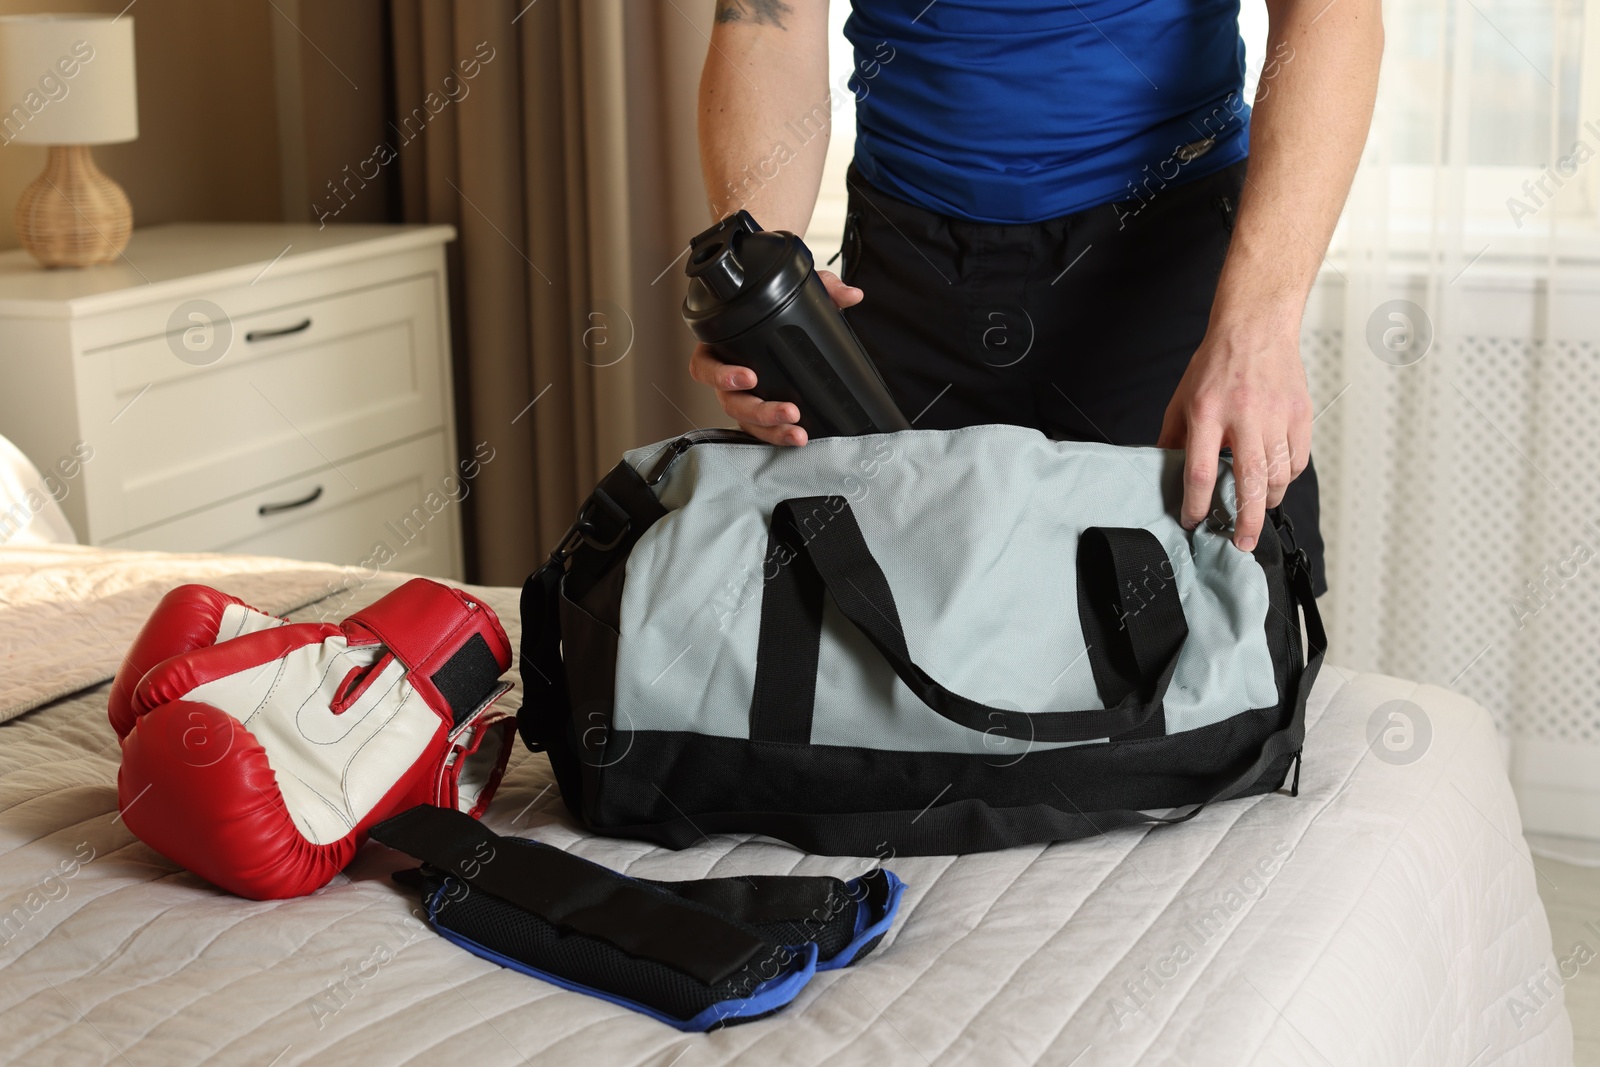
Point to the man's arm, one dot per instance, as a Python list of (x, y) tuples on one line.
[(1245, 387), (763, 89), (765, 117)]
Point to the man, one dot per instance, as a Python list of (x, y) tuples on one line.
[(1063, 215)]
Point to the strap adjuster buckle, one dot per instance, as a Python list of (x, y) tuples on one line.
[(1284, 525), (569, 544), (587, 530)]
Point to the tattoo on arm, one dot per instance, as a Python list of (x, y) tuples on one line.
[(765, 12)]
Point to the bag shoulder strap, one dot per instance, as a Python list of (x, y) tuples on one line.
[(815, 543)]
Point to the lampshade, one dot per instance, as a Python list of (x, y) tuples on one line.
[(67, 80)]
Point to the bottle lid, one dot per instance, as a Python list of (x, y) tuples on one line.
[(739, 274)]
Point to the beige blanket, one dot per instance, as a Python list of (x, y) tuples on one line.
[(69, 612)]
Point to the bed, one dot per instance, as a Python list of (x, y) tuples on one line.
[(1388, 915)]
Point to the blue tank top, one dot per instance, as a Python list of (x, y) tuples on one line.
[(1022, 110)]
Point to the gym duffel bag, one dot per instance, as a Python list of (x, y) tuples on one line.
[(919, 642)]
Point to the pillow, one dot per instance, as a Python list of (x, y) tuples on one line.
[(30, 512)]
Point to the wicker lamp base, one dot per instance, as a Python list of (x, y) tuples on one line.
[(73, 215)]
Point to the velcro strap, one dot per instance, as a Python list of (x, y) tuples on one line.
[(576, 895), (451, 643), (467, 678), (765, 898)]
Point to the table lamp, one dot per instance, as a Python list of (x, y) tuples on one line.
[(67, 81)]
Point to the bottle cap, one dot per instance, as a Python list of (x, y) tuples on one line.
[(739, 275)]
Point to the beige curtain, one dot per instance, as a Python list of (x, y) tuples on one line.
[(566, 161)]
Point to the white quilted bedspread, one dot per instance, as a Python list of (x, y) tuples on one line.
[(1386, 916)]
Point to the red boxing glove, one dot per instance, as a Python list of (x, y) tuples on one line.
[(256, 752)]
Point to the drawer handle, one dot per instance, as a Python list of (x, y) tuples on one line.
[(289, 505), (282, 331)]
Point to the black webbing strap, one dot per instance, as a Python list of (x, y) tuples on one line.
[(816, 542), (1284, 742), (1130, 613), (545, 707), (576, 895), (789, 643), (609, 523)]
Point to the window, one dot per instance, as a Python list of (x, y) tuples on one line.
[(1487, 114)]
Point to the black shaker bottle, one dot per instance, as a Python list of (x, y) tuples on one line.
[(755, 300)]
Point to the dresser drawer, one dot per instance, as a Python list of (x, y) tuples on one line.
[(396, 509), (300, 385)]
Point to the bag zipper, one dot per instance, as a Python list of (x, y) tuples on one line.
[(712, 436)]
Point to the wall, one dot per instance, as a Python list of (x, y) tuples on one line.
[(208, 126), (230, 94)]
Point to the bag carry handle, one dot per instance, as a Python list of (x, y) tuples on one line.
[(816, 543), (1281, 743)]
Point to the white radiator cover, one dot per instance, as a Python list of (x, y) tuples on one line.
[(1461, 510)]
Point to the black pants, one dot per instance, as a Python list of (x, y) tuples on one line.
[(1079, 326)]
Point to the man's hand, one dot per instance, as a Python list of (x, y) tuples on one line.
[(773, 422), (1249, 396), (765, 80), (1245, 388)]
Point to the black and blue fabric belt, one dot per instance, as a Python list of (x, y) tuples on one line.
[(695, 954)]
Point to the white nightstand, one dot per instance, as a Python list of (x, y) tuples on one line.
[(270, 389)]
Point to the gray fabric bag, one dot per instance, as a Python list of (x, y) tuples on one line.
[(925, 641)]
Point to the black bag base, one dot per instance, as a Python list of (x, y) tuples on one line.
[(1146, 775)]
